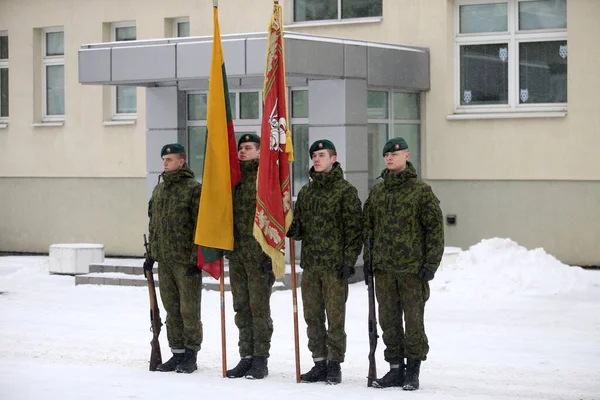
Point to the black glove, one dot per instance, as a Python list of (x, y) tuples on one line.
[(193, 270), (266, 266), (425, 274), (292, 230), (148, 264), (346, 273)]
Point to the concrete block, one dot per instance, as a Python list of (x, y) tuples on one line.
[(74, 258)]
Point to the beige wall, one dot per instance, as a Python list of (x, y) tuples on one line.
[(37, 212), (531, 148), (562, 217), (537, 149), (520, 148), (84, 147)]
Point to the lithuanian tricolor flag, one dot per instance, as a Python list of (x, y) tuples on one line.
[(214, 230)]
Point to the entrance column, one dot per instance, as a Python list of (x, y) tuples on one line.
[(163, 126), (338, 112)]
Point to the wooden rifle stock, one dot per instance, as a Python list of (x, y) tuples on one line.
[(156, 323), (372, 318)]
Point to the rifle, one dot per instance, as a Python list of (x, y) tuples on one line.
[(155, 322), (372, 318)]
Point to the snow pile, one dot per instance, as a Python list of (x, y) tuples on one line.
[(499, 267)]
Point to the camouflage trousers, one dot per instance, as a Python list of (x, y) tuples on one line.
[(181, 297), (402, 296), (251, 291), (324, 293)]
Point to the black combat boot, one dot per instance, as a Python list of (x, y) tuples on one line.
[(172, 363), (394, 378), (188, 365), (412, 374), (259, 368), (240, 370), (318, 373), (334, 373)]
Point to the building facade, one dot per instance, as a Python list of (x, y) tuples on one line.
[(497, 99)]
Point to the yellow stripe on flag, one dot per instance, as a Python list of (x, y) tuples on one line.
[(215, 217)]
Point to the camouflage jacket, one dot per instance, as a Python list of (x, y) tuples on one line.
[(244, 208), (173, 212), (404, 218), (329, 219)]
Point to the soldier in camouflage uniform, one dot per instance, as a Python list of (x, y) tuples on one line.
[(328, 221), (403, 218), (173, 212), (250, 271)]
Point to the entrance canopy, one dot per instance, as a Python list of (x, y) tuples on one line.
[(185, 62)]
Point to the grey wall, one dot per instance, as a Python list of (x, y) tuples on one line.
[(338, 112), (560, 216), (165, 123), (38, 212)]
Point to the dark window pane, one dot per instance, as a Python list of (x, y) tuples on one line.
[(55, 90), (249, 105), (4, 92), (412, 135), (543, 14), (301, 163), (484, 18), (3, 47), (197, 107), (361, 8), (197, 148), (543, 72), (377, 105), (406, 106), (377, 135), (311, 10), (183, 29), (484, 74), (125, 33), (126, 100), (300, 104), (55, 43)]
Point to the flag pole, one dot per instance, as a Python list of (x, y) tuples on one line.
[(295, 308), (294, 294), (223, 336)]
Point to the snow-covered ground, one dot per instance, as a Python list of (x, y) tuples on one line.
[(503, 322)]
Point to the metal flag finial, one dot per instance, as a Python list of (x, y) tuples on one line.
[(215, 3)]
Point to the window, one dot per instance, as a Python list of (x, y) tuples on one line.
[(53, 74), (181, 27), (300, 139), (124, 97), (392, 114), (511, 55), (318, 10), (242, 104), (3, 76)]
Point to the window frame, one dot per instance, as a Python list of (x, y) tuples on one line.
[(513, 37), (390, 121), (5, 65), (176, 22), (239, 124), (339, 18), (292, 121), (51, 61), (113, 37)]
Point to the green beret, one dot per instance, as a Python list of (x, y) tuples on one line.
[(173, 148), (394, 144), (249, 137), (323, 144)]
